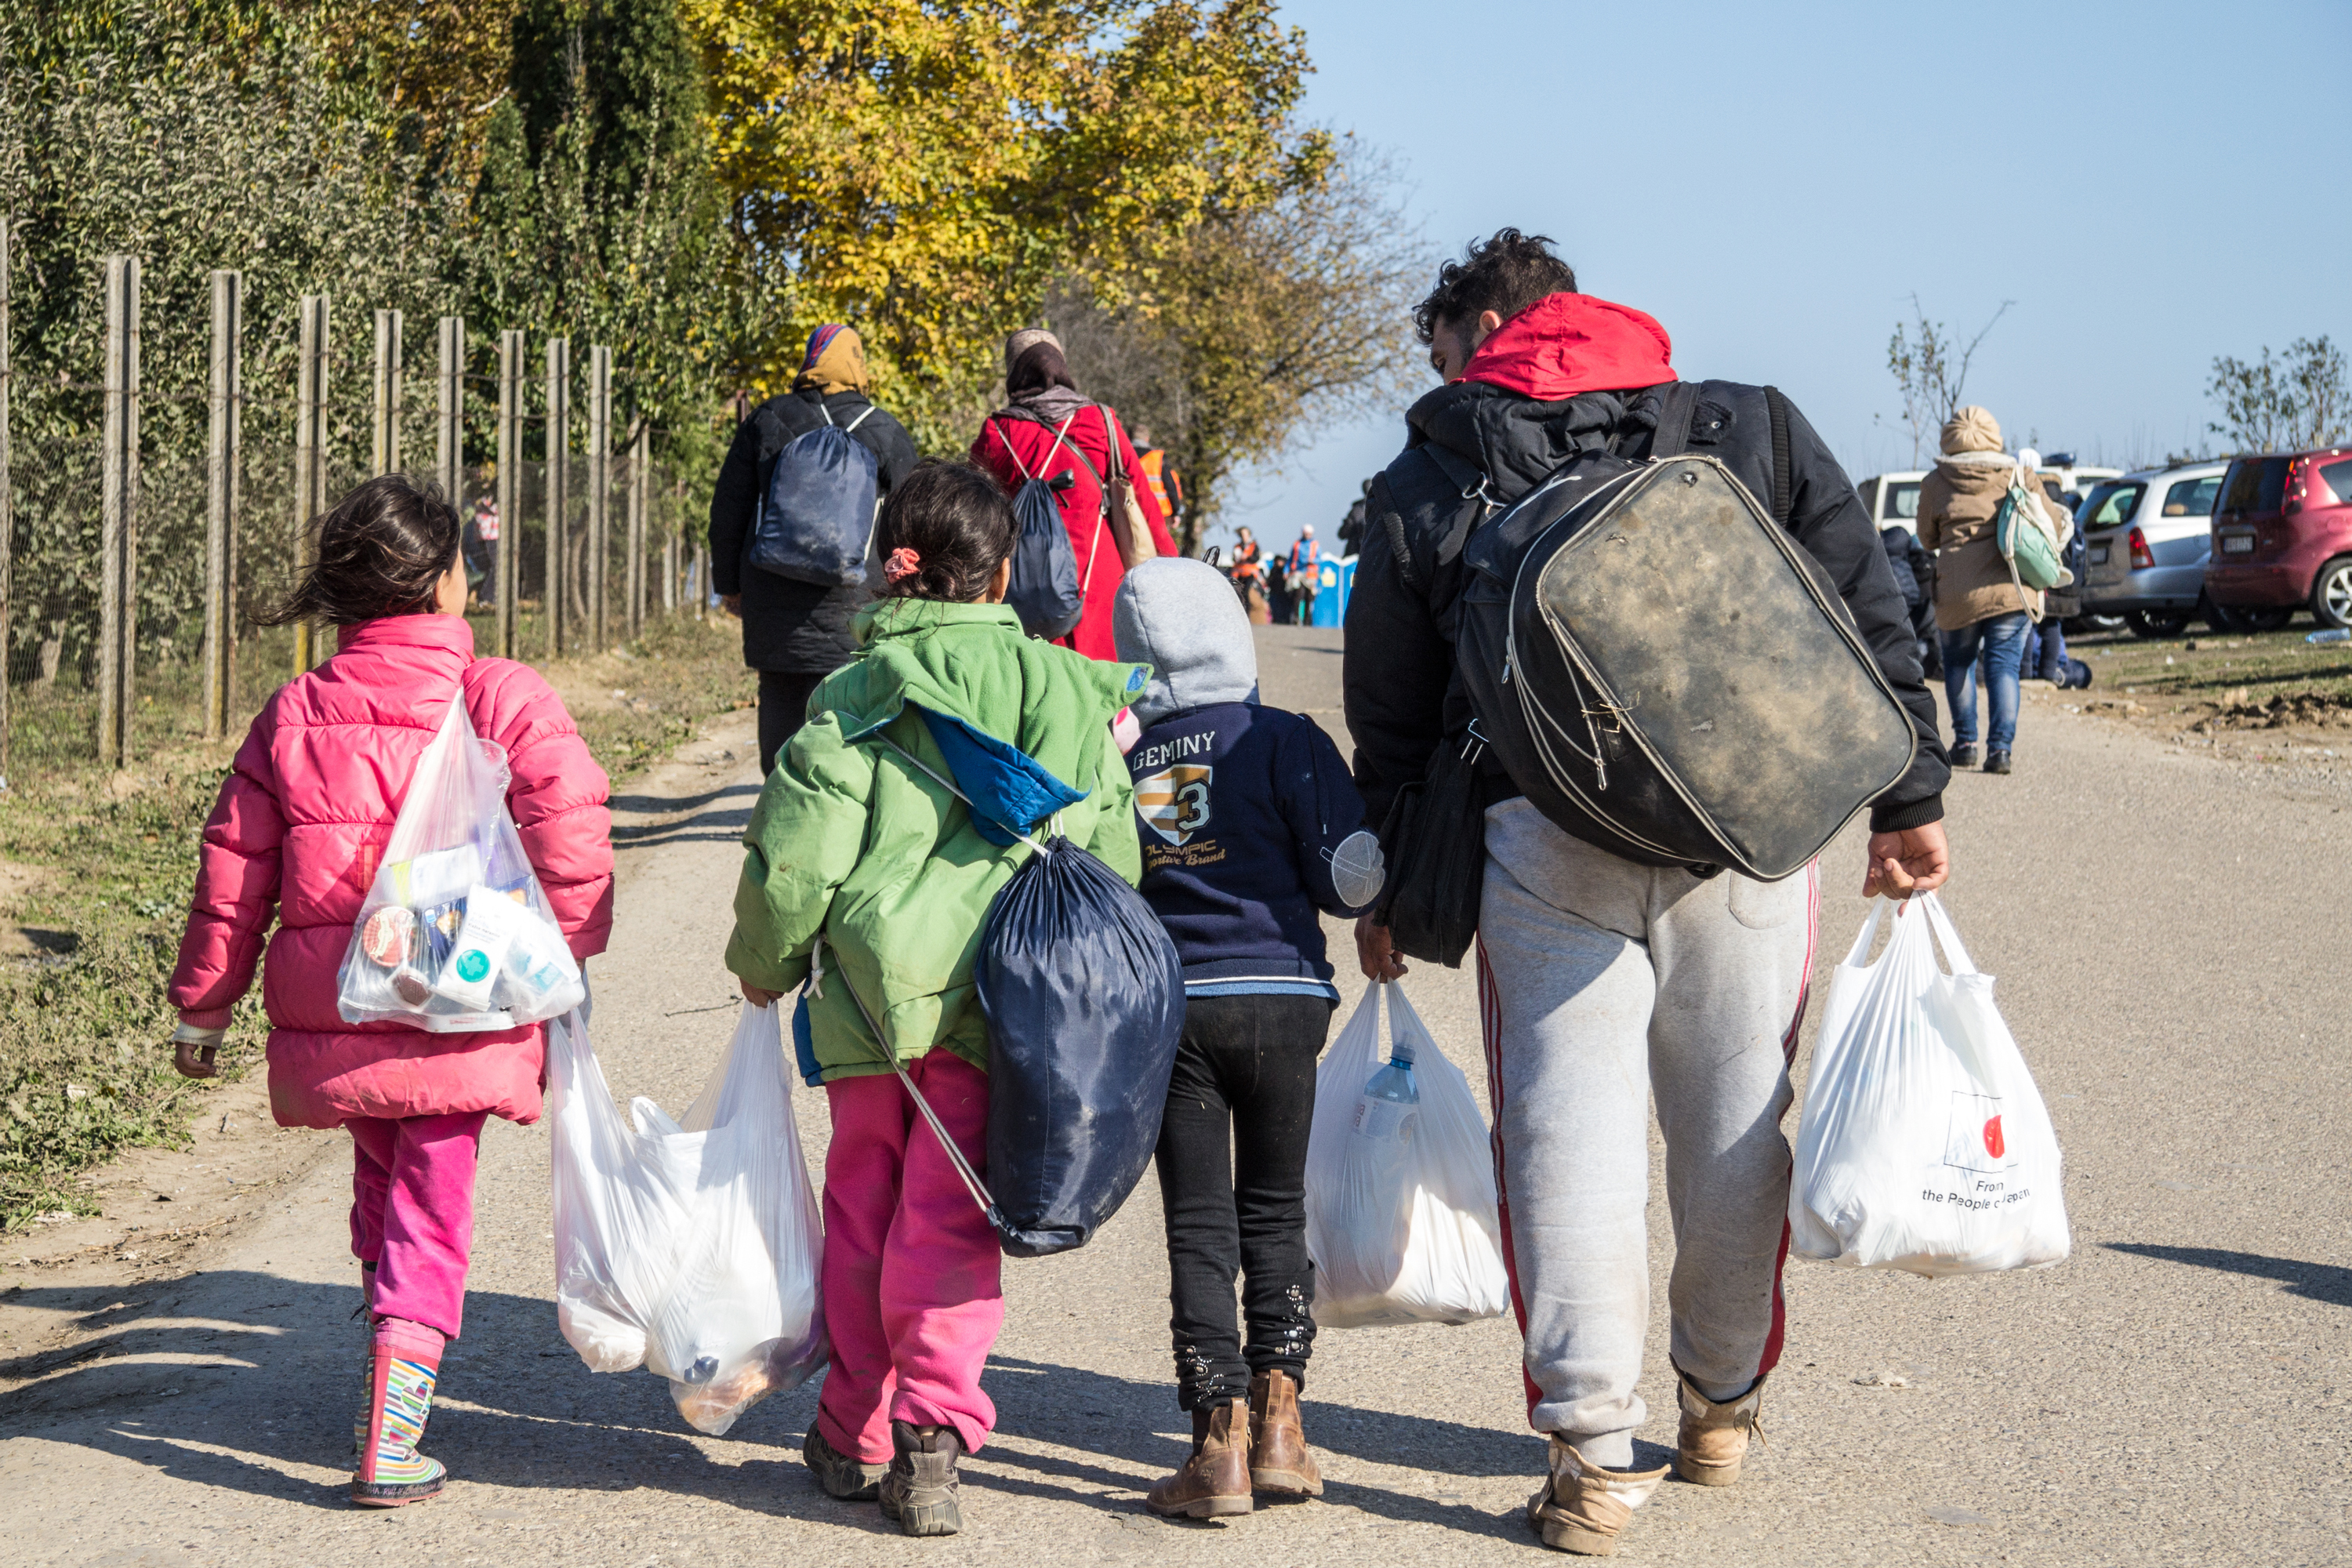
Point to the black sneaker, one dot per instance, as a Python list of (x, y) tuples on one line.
[(837, 1473), (1964, 756), (920, 1492), (1996, 761)]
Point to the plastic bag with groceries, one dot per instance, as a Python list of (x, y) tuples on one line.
[(457, 934)]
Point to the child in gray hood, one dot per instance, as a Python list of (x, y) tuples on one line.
[(1250, 824)]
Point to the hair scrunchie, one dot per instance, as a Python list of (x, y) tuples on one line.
[(903, 563)]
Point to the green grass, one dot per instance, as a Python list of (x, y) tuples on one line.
[(102, 863), (2236, 677)]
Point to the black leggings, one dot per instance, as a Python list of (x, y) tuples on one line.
[(784, 706), (1245, 1072)]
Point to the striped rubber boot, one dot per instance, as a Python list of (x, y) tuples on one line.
[(366, 1316), (405, 1360)]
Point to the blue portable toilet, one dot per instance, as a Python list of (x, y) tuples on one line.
[(1335, 581)]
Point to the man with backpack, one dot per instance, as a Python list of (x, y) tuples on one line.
[(1604, 980), (796, 618)]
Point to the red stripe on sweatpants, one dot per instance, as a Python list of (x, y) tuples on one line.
[(1774, 1340), (1490, 1029)]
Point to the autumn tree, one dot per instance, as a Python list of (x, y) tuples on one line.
[(925, 168), (1930, 367), (1264, 326), (2295, 401)]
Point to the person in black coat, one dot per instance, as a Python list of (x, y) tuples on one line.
[(1914, 579), (1607, 985), (795, 633)]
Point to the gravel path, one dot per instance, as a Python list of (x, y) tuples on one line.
[(2169, 958)]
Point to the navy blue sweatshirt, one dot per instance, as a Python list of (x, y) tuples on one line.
[(1245, 813)]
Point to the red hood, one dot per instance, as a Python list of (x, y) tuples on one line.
[(1567, 343)]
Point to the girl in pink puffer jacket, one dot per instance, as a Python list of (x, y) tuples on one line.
[(303, 822)]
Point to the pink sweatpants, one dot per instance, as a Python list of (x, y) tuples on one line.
[(413, 1212), (913, 1297)]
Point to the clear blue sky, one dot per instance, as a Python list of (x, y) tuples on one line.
[(2154, 183)]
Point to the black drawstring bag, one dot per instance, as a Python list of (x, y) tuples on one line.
[(1435, 843)]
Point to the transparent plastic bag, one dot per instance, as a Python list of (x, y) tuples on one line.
[(688, 1247), (457, 933), (1925, 1145), (1400, 1218)]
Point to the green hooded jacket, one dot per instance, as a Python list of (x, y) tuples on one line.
[(851, 842)]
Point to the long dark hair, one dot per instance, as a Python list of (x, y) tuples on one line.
[(379, 552), (959, 523)]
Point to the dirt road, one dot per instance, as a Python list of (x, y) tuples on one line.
[(2171, 953)]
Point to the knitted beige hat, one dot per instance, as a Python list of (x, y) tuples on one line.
[(1971, 429)]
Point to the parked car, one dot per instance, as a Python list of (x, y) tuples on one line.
[(2146, 535), (1892, 501), (2283, 538)]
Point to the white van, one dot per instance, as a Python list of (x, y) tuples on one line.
[(1892, 501)]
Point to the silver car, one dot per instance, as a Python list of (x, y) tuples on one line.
[(2146, 535)]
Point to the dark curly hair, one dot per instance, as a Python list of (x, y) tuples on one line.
[(1504, 274), (959, 523), (379, 551)]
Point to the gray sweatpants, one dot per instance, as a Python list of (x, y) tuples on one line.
[(1601, 983)]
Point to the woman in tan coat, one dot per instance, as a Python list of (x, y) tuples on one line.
[(1982, 612)]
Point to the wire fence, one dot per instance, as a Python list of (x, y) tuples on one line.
[(59, 591)]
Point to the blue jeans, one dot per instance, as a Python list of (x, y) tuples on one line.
[(2002, 643)]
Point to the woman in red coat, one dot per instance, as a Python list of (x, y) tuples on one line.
[(1018, 442)]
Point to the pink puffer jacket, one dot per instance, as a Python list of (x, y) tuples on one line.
[(302, 820)]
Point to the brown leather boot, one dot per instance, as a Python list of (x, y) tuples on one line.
[(1714, 1441), (1278, 1460), (1583, 1507), (1216, 1481)]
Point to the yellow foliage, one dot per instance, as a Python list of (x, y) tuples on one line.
[(924, 169)]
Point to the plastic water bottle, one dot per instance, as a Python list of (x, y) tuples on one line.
[(1390, 1103)]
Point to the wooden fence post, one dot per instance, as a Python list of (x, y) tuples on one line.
[(221, 456), (559, 484), (507, 581), (384, 456), (449, 409), (118, 621), (600, 489), (310, 451), (638, 444), (7, 506)]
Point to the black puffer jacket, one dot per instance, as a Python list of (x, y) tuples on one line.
[(788, 625), (1403, 693)]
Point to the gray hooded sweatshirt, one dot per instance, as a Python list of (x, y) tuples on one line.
[(1249, 820)]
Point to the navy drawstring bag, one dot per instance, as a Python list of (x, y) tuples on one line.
[(1083, 995), (1044, 589)]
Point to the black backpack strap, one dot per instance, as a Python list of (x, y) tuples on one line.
[(1784, 501), (1460, 471), (1677, 406)]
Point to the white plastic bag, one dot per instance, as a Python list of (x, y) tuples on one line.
[(688, 1247), (1401, 1216), (457, 933), (1925, 1145)]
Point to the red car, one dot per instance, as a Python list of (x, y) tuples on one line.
[(2283, 538)]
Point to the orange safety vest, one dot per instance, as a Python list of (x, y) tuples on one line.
[(1163, 479)]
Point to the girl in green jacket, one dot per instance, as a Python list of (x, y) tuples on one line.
[(867, 880)]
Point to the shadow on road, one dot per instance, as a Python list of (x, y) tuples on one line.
[(1124, 1419), (248, 1383), (709, 817), (2328, 1282)]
